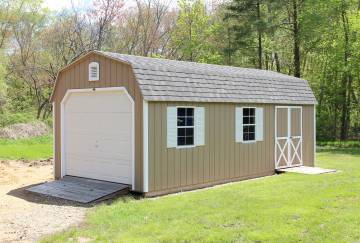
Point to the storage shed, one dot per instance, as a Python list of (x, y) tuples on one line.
[(164, 126)]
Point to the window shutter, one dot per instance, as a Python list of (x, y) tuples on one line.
[(94, 71), (171, 127), (238, 124), (199, 126), (259, 120)]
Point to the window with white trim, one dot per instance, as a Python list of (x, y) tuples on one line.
[(185, 126), (249, 124)]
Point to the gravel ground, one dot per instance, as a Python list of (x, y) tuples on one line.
[(24, 216)]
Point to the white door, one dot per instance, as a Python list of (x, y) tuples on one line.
[(288, 136), (98, 135)]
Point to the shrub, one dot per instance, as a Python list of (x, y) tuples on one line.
[(339, 144)]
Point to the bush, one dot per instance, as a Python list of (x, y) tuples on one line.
[(7, 118), (339, 144)]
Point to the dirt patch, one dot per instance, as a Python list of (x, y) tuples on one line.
[(25, 216), (24, 130)]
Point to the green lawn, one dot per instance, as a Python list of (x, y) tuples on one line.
[(33, 148), (282, 208)]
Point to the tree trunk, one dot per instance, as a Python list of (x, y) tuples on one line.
[(277, 62), (229, 46), (266, 61), (258, 10), (346, 80), (296, 37), (191, 45)]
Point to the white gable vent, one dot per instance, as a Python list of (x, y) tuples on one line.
[(94, 71)]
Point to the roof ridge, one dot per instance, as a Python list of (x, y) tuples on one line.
[(285, 76), (219, 83)]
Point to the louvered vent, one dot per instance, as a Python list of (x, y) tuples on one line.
[(94, 71)]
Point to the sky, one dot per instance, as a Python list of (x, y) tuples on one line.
[(57, 5)]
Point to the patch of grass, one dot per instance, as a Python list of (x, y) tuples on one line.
[(339, 144), (280, 208), (29, 149)]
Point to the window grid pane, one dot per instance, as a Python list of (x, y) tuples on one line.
[(185, 126), (248, 124)]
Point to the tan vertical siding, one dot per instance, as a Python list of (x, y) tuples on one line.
[(112, 74), (308, 135), (221, 159)]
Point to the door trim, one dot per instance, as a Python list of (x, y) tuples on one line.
[(289, 144), (62, 123)]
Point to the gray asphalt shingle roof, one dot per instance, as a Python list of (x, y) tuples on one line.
[(169, 80)]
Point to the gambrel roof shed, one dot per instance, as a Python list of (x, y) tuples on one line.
[(169, 80), (162, 126)]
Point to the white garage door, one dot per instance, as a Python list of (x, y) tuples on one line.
[(98, 136)]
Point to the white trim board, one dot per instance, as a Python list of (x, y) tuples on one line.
[(314, 133), (145, 146), (54, 145), (110, 89)]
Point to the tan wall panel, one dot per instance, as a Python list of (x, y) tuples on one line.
[(282, 122), (112, 74), (221, 159), (295, 122), (308, 135)]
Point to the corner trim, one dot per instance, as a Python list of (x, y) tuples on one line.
[(54, 145), (314, 134), (145, 146)]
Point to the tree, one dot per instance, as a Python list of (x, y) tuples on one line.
[(249, 22), (192, 32), (104, 12), (145, 29)]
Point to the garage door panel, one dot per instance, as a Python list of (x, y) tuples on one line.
[(102, 160), (114, 124), (90, 163), (102, 103), (98, 136), (77, 141), (119, 151), (123, 120), (92, 168), (84, 150)]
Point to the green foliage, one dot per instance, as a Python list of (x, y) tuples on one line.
[(244, 33), (28, 149), (193, 26), (339, 144), (2, 79), (9, 118), (281, 208)]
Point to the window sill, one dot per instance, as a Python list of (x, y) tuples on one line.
[(185, 146), (253, 141)]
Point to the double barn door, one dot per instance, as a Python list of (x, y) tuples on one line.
[(288, 136)]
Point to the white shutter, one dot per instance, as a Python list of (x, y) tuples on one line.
[(259, 120), (199, 126), (238, 124), (171, 127)]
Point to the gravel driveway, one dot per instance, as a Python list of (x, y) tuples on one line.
[(24, 217)]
